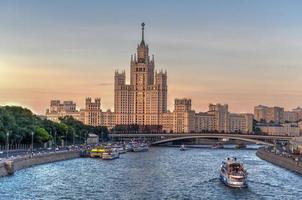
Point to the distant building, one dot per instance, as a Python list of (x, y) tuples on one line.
[(269, 114), (94, 116), (291, 116), (300, 127), (92, 139), (204, 122), (241, 123), (58, 109), (294, 115), (298, 110), (219, 119), (183, 116), (288, 129), (181, 120), (91, 115)]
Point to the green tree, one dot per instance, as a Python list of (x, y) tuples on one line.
[(42, 136)]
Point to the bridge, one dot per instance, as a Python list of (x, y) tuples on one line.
[(161, 138)]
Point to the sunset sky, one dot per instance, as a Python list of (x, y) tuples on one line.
[(239, 52)]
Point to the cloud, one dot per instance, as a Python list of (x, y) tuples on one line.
[(104, 84)]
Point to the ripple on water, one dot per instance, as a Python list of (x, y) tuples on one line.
[(161, 173)]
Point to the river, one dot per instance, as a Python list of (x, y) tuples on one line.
[(161, 173)]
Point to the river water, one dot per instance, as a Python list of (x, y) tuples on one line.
[(161, 173)]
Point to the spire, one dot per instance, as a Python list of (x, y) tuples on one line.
[(143, 28)]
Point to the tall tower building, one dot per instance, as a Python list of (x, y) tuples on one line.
[(145, 98)]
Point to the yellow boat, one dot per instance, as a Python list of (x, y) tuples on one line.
[(97, 152)]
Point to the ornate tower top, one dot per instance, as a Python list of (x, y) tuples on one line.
[(142, 49), (143, 28)]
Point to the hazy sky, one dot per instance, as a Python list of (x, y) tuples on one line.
[(240, 52)]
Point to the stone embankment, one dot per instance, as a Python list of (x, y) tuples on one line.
[(8, 167), (281, 161)]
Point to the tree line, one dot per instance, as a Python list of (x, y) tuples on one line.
[(20, 123)]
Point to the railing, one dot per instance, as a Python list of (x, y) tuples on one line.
[(13, 147)]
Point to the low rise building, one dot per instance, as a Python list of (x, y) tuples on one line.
[(288, 129), (291, 116), (204, 122), (298, 110), (108, 119), (91, 115), (58, 110), (219, 119), (269, 114), (94, 116), (184, 120), (181, 120), (300, 127), (240, 123), (92, 139)]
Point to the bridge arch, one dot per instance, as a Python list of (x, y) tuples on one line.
[(214, 137)]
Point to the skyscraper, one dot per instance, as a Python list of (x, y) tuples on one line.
[(144, 100)]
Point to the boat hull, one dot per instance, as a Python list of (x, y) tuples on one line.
[(110, 157), (140, 149), (235, 184)]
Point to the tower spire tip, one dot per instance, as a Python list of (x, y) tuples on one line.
[(143, 29)]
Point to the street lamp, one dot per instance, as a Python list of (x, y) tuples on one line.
[(32, 142), (73, 137), (66, 133), (55, 139), (7, 143)]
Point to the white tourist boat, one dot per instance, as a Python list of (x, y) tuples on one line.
[(182, 147), (233, 174), (110, 154), (140, 147), (121, 150), (130, 146)]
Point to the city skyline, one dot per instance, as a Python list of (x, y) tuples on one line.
[(242, 62)]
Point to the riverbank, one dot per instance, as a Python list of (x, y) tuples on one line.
[(281, 161), (9, 166)]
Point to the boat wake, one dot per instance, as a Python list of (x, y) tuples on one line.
[(265, 184), (207, 181)]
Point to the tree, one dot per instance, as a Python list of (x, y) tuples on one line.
[(42, 136), (20, 122)]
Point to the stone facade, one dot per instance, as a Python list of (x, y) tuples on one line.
[(294, 115), (241, 123), (143, 100), (94, 116), (289, 129), (219, 119), (274, 114), (58, 109)]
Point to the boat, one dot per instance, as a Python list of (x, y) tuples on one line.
[(233, 174), (217, 145), (121, 150), (182, 147), (140, 147), (110, 154), (130, 145), (97, 152), (240, 146)]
